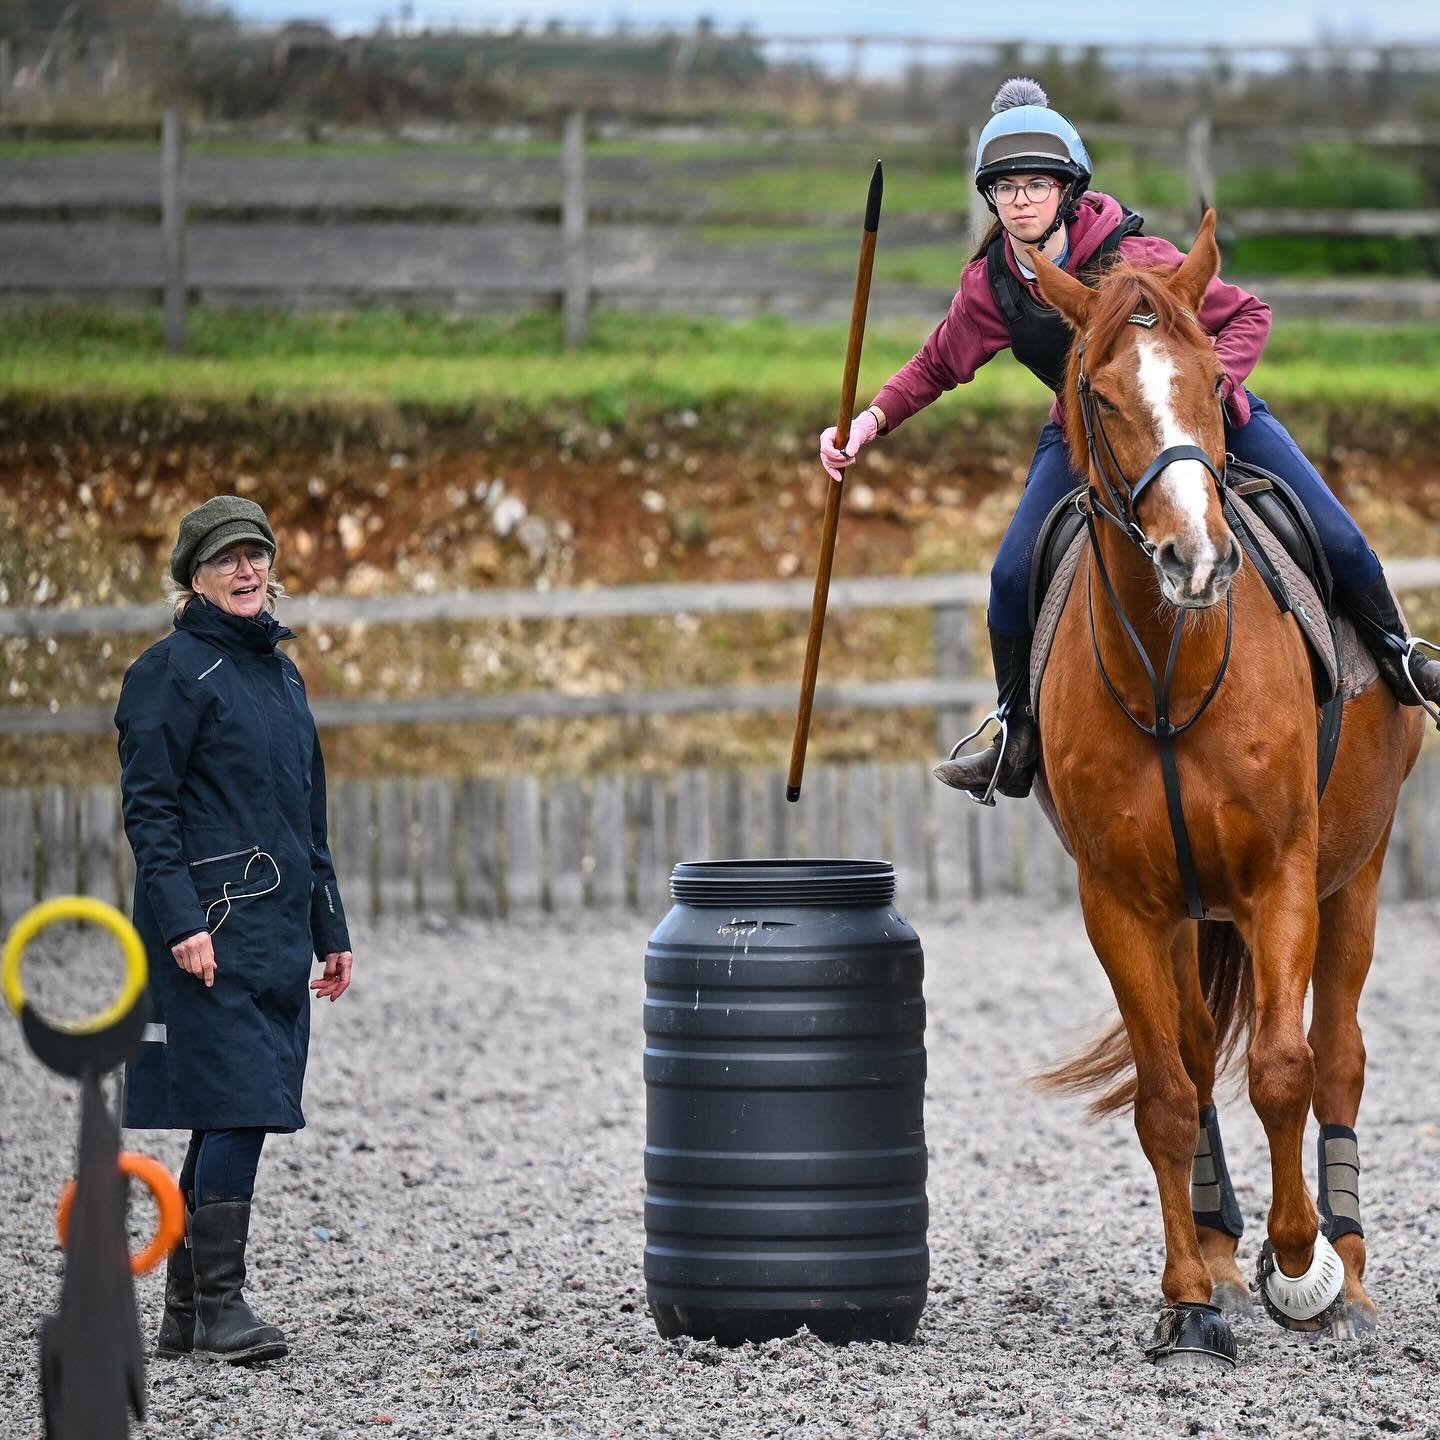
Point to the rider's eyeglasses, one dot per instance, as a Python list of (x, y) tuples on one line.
[(1004, 192), (229, 562)]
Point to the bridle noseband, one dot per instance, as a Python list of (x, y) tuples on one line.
[(1123, 497)]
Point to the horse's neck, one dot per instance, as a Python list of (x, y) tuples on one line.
[(1133, 577)]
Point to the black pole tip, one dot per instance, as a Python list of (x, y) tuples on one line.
[(872, 202), (792, 793)]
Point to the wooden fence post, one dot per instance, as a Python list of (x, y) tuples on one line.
[(950, 632), (7, 73), (172, 202), (979, 210), (1198, 165), (572, 231)]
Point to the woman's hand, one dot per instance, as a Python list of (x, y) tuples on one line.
[(863, 429), (197, 955), (336, 979)]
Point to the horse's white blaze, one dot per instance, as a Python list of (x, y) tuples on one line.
[(1185, 481)]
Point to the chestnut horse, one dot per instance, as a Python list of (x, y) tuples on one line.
[(1291, 880)]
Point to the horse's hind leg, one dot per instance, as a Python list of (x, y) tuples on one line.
[(1211, 1198), (1300, 1275), (1136, 956), (1347, 941)]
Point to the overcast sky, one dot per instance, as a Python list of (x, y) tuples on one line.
[(1059, 20)]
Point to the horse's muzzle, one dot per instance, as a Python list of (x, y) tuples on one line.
[(1189, 585)]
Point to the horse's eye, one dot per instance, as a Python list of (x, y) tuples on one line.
[(1103, 403), (1219, 383)]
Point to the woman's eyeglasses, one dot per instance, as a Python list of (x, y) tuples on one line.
[(229, 562), (1004, 192)]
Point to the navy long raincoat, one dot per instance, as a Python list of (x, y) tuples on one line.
[(223, 793)]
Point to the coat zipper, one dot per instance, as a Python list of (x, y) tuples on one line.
[(229, 855)]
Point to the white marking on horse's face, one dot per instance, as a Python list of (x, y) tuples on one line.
[(1186, 482)]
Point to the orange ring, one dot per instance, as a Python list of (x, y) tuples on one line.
[(170, 1227)]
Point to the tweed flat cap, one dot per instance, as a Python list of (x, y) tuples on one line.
[(219, 523)]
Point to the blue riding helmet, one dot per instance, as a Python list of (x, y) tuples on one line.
[(1031, 139)]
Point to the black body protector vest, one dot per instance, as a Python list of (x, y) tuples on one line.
[(1038, 336)]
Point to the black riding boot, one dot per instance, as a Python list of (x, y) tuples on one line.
[(225, 1326), (1011, 654), (176, 1335), (1377, 619)]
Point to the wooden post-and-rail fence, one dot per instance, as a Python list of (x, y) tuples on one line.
[(577, 287), (519, 845)]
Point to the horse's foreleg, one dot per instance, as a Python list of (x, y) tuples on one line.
[(1210, 1193), (1135, 954), (1300, 1273), (1347, 942)]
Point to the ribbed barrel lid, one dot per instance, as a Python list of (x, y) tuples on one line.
[(783, 882)]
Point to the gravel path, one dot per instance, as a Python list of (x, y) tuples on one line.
[(454, 1243)]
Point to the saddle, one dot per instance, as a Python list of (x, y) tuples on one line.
[(1279, 539)]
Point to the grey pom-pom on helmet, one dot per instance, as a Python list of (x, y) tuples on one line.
[(1025, 136)]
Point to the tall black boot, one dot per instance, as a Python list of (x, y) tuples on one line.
[(225, 1326), (1377, 619), (973, 773), (176, 1335)]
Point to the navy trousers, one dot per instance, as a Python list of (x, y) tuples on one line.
[(221, 1165), (1264, 442)]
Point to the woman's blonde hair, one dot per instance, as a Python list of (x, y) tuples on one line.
[(180, 596)]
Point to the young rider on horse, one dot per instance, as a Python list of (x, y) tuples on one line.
[(1033, 171)]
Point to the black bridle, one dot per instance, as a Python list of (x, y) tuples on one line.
[(1123, 497)]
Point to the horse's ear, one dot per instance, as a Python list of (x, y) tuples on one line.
[(1071, 297), (1189, 283)]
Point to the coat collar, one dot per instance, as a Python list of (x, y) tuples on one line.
[(234, 634)]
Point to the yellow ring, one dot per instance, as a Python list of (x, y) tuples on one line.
[(97, 912)]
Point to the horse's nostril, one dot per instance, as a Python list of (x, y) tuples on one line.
[(1168, 558), (1232, 559)]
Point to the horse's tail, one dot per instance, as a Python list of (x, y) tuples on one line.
[(1228, 983)]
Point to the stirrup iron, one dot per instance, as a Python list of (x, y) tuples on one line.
[(1413, 646), (988, 798)]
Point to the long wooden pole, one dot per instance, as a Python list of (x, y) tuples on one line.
[(832, 497)]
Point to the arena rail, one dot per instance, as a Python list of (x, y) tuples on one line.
[(579, 289), (517, 845)]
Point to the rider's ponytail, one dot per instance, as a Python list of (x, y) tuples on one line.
[(991, 235)]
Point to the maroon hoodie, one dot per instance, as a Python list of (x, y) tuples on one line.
[(974, 329)]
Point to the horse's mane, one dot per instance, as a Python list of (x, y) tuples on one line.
[(1123, 290)]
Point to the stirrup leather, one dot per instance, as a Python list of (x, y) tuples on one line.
[(1413, 646), (988, 798)]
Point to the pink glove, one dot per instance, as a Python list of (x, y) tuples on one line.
[(863, 429)]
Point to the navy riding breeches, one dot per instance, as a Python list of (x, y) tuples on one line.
[(221, 1165), (1264, 441)]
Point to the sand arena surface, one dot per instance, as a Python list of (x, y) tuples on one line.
[(454, 1244)]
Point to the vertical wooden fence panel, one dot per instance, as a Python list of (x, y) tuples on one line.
[(573, 219), (479, 843), (996, 849), (99, 834), (649, 817), (1420, 801), (59, 842), (172, 204), (730, 814), (607, 841), (776, 814), (522, 845), (910, 842), (352, 846), (1046, 871), (820, 806), (864, 834), (954, 857), (396, 869), (565, 828), (17, 853), (439, 890), (692, 814), (950, 638)]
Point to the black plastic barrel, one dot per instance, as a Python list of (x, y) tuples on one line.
[(785, 1152)]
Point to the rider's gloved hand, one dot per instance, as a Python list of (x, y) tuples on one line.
[(863, 429)]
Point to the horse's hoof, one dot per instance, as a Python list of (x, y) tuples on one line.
[(1308, 1303), (1233, 1300), (1192, 1336)]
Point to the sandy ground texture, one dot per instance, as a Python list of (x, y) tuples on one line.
[(454, 1244)]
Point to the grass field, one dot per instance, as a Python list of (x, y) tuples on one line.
[(634, 364)]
